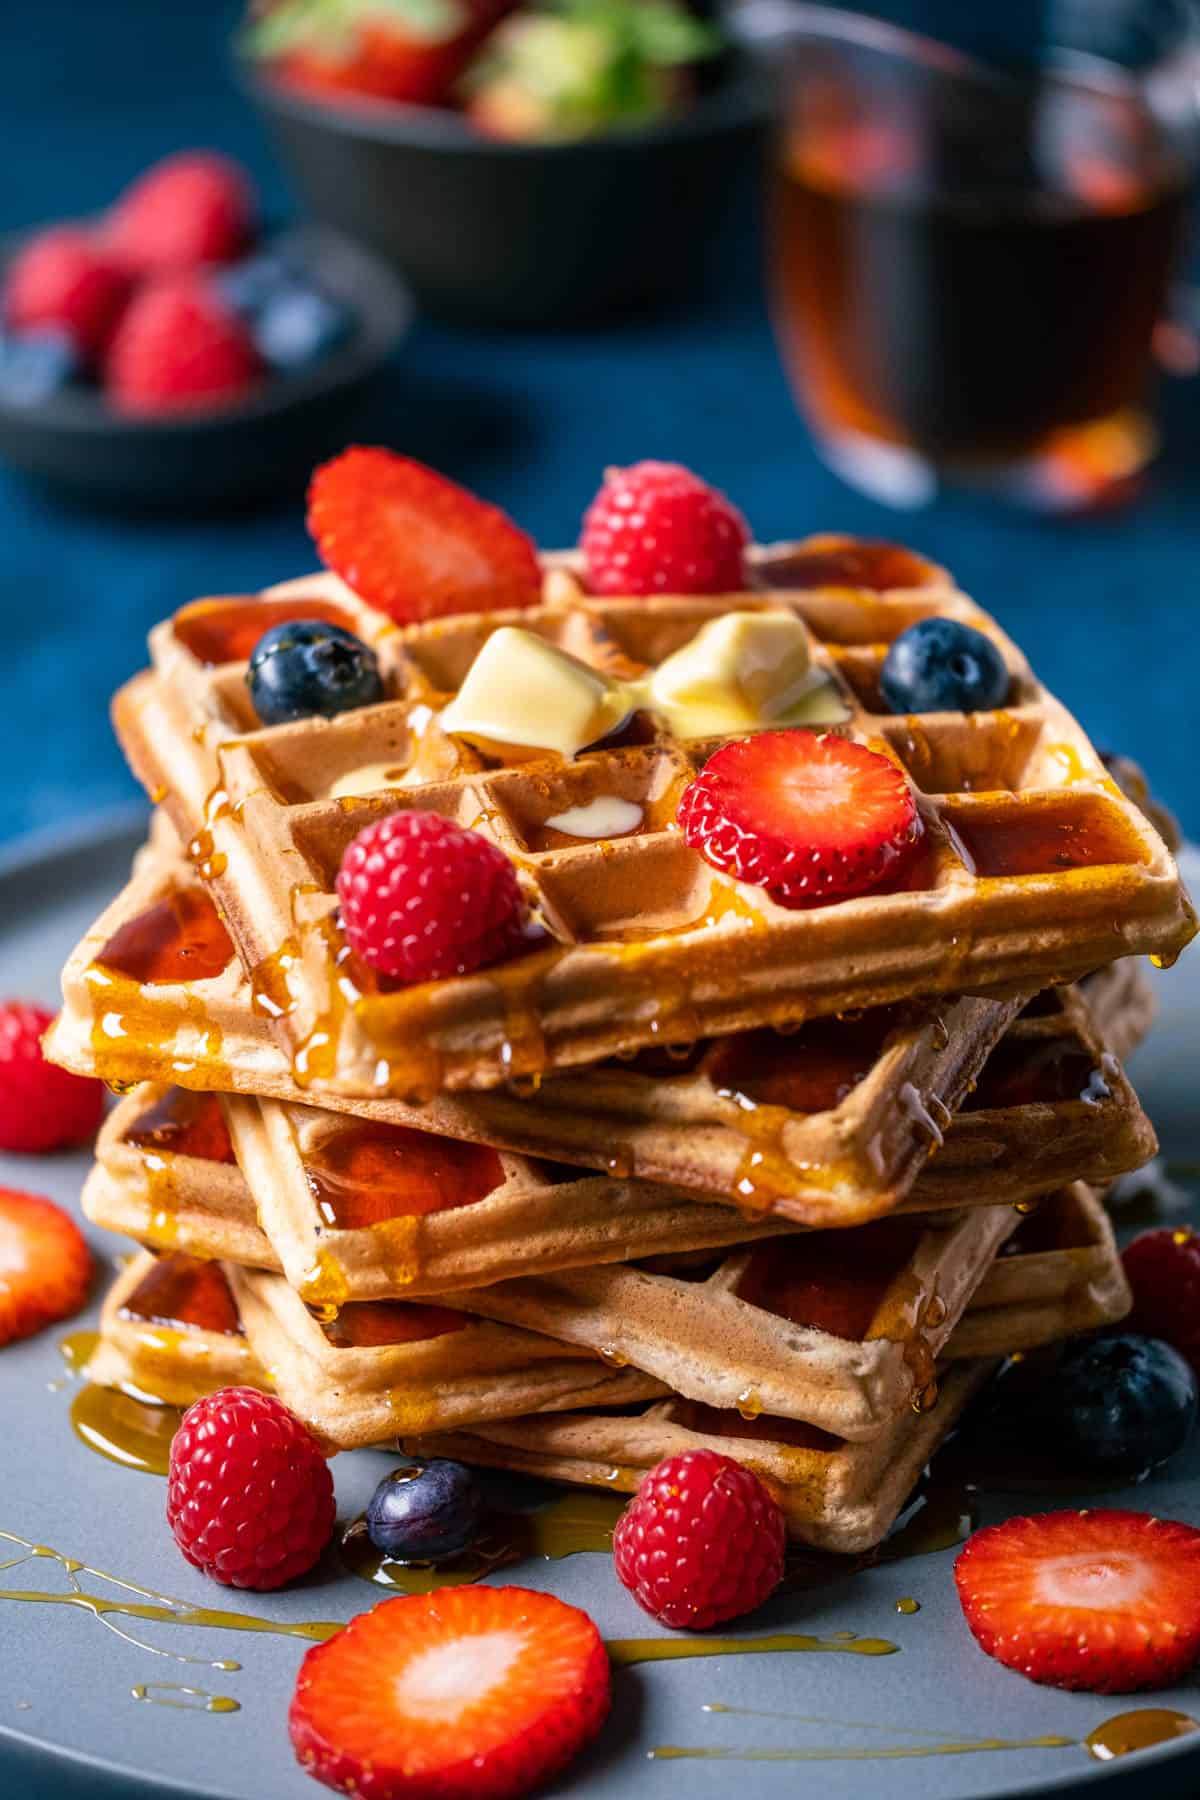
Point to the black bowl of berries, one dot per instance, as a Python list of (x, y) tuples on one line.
[(170, 354), (521, 164)]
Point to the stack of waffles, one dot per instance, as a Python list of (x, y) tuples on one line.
[(692, 1169)]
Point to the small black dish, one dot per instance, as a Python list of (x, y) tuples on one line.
[(263, 445), (526, 234)]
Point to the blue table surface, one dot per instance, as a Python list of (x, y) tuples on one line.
[(90, 93)]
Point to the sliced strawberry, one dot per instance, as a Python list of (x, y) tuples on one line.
[(45, 1265), (414, 544), (1103, 1601), (468, 1693), (809, 818)]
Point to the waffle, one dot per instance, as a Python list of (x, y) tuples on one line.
[(1122, 1003), (834, 1495), (170, 1332), (657, 1118), (378, 1370), (165, 1175), (1036, 867), (839, 1330), (1060, 1274)]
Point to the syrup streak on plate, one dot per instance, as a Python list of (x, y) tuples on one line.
[(935, 1742)]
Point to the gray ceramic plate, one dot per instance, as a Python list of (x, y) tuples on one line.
[(70, 1726)]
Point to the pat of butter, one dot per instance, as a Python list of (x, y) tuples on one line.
[(607, 816), (743, 672), (522, 691), (369, 779)]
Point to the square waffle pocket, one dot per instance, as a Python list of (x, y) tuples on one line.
[(380, 1369), (1035, 868), (834, 1495), (826, 1125), (838, 1329), (170, 1332), (1059, 1274)]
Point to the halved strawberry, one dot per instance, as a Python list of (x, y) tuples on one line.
[(472, 1692), (1103, 1601), (414, 544), (811, 818), (45, 1265)]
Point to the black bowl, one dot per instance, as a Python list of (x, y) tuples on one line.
[(525, 233), (266, 444)]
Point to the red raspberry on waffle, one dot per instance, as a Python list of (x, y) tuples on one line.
[(656, 528), (422, 898)]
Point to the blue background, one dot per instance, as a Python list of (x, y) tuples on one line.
[(91, 90)]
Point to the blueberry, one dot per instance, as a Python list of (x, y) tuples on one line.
[(938, 665), (426, 1514), (35, 366), (297, 325), (248, 285), (1112, 1405), (306, 667)]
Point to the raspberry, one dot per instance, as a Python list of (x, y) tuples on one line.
[(179, 349), (423, 898), (1163, 1269), (191, 208), (41, 1107), (812, 819), (701, 1541), (45, 1265), (658, 529), (64, 280), (249, 1496)]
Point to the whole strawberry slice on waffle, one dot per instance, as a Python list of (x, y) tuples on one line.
[(45, 1265), (811, 818), (414, 544), (468, 1693), (1104, 1601)]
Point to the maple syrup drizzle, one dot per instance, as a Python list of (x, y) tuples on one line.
[(625, 1653), (142, 1603), (181, 1698), (123, 1429), (1121, 1735), (856, 1752), (1138, 1730)]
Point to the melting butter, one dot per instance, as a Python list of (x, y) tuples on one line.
[(605, 817), (746, 671), (743, 672), (522, 691)]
